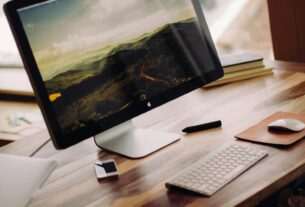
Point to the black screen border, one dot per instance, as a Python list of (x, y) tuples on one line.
[(62, 141)]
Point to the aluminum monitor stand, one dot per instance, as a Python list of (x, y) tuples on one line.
[(132, 142)]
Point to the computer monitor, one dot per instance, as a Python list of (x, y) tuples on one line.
[(96, 64)]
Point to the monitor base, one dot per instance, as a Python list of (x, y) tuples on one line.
[(132, 142)]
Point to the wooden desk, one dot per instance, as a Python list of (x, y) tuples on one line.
[(238, 105)]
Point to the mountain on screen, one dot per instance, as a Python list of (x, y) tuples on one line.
[(99, 86)]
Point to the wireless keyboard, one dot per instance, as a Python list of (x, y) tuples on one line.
[(217, 169)]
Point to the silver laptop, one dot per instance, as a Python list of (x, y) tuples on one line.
[(21, 177)]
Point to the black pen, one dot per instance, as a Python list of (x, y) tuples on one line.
[(202, 127)]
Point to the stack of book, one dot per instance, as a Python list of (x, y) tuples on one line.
[(240, 67)]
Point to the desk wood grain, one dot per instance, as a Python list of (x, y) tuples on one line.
[(238, 105)]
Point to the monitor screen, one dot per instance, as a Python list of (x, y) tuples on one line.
[(102, 62)]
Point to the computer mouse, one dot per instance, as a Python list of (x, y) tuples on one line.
[(287, 124)]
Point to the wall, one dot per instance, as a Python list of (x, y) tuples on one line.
[(287, 21)]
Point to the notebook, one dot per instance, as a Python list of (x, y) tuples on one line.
[(260, 132), (241, 62)]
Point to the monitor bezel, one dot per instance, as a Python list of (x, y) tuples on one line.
[(62, 141)]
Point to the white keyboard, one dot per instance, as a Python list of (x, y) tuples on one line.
[(217, 169)]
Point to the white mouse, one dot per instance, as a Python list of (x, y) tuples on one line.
[(288, 124)]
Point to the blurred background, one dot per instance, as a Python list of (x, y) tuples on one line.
[(236, 26), (9, 56), (239, 25)]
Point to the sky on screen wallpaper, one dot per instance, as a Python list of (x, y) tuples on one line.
[(63, 31)]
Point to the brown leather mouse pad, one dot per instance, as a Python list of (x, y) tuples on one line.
[(260, 132)]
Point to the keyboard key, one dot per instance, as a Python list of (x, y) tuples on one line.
[(234, 171)]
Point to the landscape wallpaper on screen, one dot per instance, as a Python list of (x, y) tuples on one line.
[(97, 57)]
